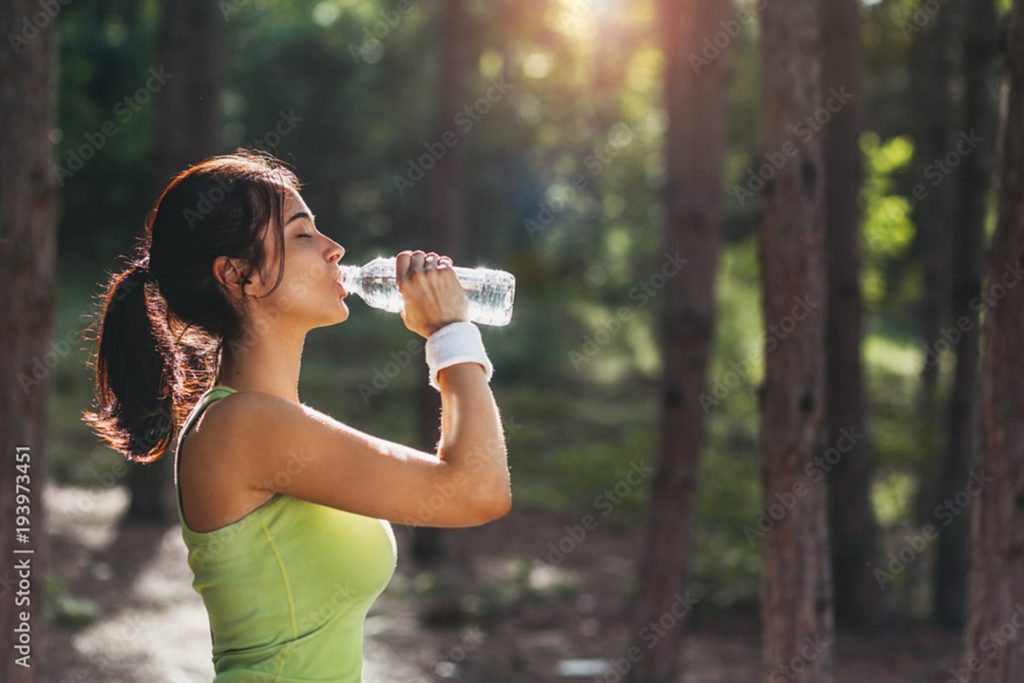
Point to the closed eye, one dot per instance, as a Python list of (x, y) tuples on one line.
[(304, 234)]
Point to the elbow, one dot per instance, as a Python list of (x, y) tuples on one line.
[(502, 507), (496, 506)]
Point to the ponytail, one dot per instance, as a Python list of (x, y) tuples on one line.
[(135, 365)]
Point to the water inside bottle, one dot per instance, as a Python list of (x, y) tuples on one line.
[(490, 292)]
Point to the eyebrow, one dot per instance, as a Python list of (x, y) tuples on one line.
[(300, 214)]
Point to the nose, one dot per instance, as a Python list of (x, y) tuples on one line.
[(336, 252)]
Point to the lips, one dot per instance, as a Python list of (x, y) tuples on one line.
[(341, 288)]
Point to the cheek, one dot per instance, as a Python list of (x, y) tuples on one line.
[(302, 279)]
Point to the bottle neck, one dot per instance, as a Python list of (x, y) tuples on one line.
[(351, 278)]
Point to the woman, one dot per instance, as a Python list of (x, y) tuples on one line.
[(285, 511)]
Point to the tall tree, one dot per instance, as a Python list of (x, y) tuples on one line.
[(445, 232), (980, 36), (28, 255), (187, 130), (854, 532), (796, 596), (931, 99), (696, 88), (996, 584)]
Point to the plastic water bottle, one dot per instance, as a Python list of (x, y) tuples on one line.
[(490, 292)]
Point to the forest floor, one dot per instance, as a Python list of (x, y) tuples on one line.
[(494, 610)]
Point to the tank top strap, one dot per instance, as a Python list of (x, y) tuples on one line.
[(212, 394), (209, 396)]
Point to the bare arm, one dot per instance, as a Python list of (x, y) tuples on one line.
[(472, 435), (276, 445)]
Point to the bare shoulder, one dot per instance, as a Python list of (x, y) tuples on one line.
[(245, 418), (213, 463)]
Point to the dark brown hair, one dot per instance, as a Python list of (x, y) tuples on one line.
[(165, 318)]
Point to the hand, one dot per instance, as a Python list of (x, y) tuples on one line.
[(431, 290)]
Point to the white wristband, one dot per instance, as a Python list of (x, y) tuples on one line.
[(457, 342)]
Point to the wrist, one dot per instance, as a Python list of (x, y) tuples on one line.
[(456, 342), (446, 323)]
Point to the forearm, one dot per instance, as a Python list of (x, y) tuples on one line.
[(472, 436)]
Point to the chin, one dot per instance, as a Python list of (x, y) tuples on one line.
[(336, 317)]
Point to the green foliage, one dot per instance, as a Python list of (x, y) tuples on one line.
[(888, 229)]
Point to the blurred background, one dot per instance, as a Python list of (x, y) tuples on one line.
[(582, 145)]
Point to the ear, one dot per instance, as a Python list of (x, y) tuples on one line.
[(227, 271)]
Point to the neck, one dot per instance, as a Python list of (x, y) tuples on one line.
[(266, 361)]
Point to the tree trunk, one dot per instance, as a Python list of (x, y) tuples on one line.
[(444, 232), (796, 599), (28, 255), (931, 98), (994, 648), (979, 45), (696, 93), (188, 116), (187, 130), (854, 532)]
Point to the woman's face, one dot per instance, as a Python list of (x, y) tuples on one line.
[(309, 294)]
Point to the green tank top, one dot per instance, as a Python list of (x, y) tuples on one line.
[(287, 587)]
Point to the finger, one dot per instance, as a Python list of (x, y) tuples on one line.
[(416, 262), (430, 261), (402, 266)]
